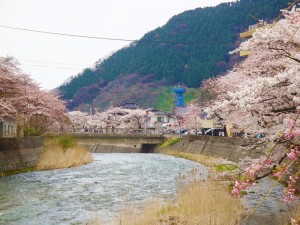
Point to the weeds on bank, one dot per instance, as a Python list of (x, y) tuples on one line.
[(202, 159), (225, 167), (208, 203), (170, 141), (66, 141), (294, 214), (62, 152), (13, 172)]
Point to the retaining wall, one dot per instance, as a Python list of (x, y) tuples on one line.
[(233, 149), (19, 153), (119, 143)]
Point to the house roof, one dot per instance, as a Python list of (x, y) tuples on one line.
[(159, 112), (129, 105)]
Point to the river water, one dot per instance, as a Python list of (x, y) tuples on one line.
[(102, 188)]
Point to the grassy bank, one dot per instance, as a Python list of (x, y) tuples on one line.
[(208, 203), (13, 172), (199, 203), (63, 152)]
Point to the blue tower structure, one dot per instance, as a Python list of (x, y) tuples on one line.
[(179, 99)]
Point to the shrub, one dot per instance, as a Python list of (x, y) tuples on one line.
[(66, 141), (33, 131)]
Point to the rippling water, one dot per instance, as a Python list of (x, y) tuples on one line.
[(72, 196)]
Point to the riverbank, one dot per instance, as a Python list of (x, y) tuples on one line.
[(62, 152), (200, 201), (20, 155), (263, 203)]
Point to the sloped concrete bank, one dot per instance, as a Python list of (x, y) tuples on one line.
[(19, 153), (233, 149), (119, 143), (119, 148)]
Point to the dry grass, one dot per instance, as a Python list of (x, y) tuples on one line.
[(202, 159), (54, 157), (294, 213), (208, 203)]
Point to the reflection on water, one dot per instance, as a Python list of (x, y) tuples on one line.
[(71, 196)]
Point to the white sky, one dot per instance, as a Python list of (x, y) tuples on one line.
[(39, 54)]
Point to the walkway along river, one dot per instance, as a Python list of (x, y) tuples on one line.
[(75, 195)]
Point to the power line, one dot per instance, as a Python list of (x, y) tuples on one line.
[(65, 34), (111, 39), (51, 62), (55, 67)]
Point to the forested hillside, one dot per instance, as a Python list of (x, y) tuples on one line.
[(190, 48)]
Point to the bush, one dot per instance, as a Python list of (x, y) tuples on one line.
[(66, 141), (33, 131)]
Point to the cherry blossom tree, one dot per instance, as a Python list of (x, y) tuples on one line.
[(187, 117), (22, 99), (115, 117), (134, 118), (261, 93)]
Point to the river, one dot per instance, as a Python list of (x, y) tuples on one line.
[(102, 188)]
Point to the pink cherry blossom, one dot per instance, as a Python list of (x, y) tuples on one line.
[(22, 99), (293, 154), (294, 222), (289, 195), (259, 93)]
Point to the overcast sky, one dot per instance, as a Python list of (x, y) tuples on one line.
[(51, 59)]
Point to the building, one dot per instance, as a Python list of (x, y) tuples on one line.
[(8, 128), (248, 34), (157, 118)]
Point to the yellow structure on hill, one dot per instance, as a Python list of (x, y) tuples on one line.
[(248, 34)]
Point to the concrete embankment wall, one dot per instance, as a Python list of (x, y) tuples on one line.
[(233, 149), (110, 148), (119, 148), (19, 153), (119, 143)]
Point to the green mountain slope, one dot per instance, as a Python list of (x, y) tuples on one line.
[(190, 48)]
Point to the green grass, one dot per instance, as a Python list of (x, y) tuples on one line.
[(170, 141), (34, 131), (13, 172), (66, 141), (225, 167), (166, 99)]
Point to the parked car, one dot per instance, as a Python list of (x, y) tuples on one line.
[(184, 131), (193, 132), (202, 131), (169, 131), (214, 132), (199, 132)]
